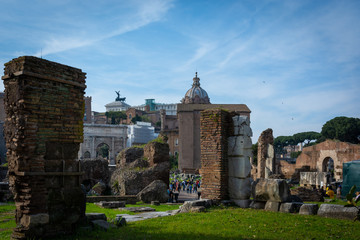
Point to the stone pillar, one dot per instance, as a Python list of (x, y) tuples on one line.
[(266, 154), (214, 153), (239, 154), (163, 119), (44, 104)]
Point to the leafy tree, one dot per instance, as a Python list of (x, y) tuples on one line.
[(254, 150), (138, 118), (115, 117), (342, 128), (306, 137), (103, 151), (295, 154)]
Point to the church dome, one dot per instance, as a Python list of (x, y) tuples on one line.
[(196, 94)]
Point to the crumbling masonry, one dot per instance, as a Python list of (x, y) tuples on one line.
[(44, 104), (225, 156)]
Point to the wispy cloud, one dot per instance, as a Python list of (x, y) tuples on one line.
[(144, 14)]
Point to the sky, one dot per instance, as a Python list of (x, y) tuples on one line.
[(295, 64)]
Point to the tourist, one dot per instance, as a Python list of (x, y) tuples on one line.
[(330, 193), (170, 192), (338, 192), (357, 198), (199, 192), (176, 194), (187, 187), (190, 188)]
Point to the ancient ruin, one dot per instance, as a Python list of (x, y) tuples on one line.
[(225, 156), (137, 167), (44, 104), (266, 154)]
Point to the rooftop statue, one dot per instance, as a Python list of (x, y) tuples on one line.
[(119, 99)]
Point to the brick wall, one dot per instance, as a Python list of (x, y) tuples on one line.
[(215, 125), (44, 103)]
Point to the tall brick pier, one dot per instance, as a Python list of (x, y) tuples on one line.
[(44, 104)]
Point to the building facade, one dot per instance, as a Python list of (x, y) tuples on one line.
[(196, 100)]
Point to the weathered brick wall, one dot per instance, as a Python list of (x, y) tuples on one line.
[(44, 104), (215, 128)]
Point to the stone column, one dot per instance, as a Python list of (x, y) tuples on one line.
[(44, 104), (239, 153), (266, 154)]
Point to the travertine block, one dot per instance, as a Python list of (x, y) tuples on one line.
[(239, 167), (239, 146), (239, 188)]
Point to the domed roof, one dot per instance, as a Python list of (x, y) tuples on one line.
[(196, 94)]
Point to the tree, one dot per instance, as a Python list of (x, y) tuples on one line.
[(344, 129), (115, 117), (254, 150), (306, 137)]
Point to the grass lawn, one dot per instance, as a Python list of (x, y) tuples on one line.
[(219, 223)]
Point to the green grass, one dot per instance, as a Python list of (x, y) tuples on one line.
[(224, 223), (7, 220)]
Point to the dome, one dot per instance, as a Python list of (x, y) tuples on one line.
[(196, 94)]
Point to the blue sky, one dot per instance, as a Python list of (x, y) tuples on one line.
[(296, 64)]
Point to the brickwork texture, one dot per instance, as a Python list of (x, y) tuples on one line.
[(44, 105)]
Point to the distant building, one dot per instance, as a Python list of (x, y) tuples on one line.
[(118, 105), (87, 113), (140, 133), (196, 100)]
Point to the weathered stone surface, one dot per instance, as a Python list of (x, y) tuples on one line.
[(276, 190), (338, 211), (266, 158), (142, 216), (307, 194), (308, 209), (186, 207), (292, 207), (257, 205), (44, 105), (129, 155), (242, 126), (239, 167), (272, 206), (120, 221), (239, 188), (155, 191), (95, 170), (132, 181), (197, 209), (99, 188), (138, 209), (239, 146), (95, 216), (113, 204), (155, 203), (242, 203), (102, 224), (156, 152)]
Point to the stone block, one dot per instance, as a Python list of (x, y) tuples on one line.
[(112, 204), (257, 205), (239, 188), (34, 220), (308, 209), (293, 207), (237, 144), (189, 204), (239, 167), (242, 126), (338, 211), (95, 216), (276, 190), (272, 206), (102, 224), (242, 203)]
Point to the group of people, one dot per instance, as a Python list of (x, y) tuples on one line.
[(189, 186)]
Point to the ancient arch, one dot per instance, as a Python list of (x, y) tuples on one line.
[(87, 154), (318, 156), (114, 136), (103, 150)]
